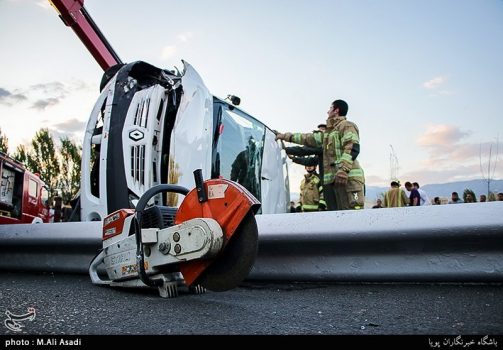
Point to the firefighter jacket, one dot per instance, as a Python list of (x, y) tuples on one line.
[(311, 193), (395, 197), (341, 146)]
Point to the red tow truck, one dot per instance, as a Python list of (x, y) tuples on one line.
[(24, 198)]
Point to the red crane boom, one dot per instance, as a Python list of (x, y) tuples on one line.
[(74, 15)]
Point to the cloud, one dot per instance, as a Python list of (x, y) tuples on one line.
[(8, 98), (450, 157), (168, 52), (60, 135), (72, 129), (434, 83), (43, 95), (376, 180), (70, 126), (43, 104), (44, 4), (41, 3), (54, 88), (185, 37), (443, 143), (80, 85), (18, 97), (441, 135), (56, 92)]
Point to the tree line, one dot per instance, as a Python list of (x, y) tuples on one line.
[(58, 163)]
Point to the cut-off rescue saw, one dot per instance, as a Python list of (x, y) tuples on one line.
[(209, 242)]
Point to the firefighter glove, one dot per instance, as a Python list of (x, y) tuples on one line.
[(280, 136), (341, 178)]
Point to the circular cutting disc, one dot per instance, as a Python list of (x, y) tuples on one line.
[(235, 262)]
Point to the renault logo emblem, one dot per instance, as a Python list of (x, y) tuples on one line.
[(136, 135)]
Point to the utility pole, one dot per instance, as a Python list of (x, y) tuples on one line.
[(491, 168), (393, 164)]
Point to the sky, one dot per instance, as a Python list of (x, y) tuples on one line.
[(423, 79)]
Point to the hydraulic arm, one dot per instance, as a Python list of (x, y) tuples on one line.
[(74, 15)]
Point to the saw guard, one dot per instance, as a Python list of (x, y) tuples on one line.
[(228, 203)]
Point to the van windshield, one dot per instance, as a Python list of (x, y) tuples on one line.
[(239, 149)]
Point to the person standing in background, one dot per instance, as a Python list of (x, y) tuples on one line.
[(305, 155), (414, 196), (378, 204), (395, 197), (311, 192), (425, 200), (455, 198)]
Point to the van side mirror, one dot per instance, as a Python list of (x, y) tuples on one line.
[(234, 100)]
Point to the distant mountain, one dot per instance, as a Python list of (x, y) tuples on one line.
[(445, 190), (374, 192)]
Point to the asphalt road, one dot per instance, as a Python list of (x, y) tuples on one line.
[(70, 304)]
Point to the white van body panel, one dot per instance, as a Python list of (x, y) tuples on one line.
[(274, 184), (191, 140), (93, 207)]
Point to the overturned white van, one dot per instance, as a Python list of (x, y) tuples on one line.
[(152, 126)]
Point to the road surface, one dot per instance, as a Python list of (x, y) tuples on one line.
[(70, 304)]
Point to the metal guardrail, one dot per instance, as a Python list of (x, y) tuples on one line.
[(462, 242), (62, 247)]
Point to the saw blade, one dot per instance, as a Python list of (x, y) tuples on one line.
[(233, 265)]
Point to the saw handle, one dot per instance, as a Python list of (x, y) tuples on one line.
[(201, 192), (142, 203), (140, 207)]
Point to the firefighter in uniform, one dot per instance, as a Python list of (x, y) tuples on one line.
[(311, 192), (395, 197), (341, 146)]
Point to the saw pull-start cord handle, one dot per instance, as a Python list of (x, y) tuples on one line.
[(140, 207)]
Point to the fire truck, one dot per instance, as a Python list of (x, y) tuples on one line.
[(154, 126), (24, 197)]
